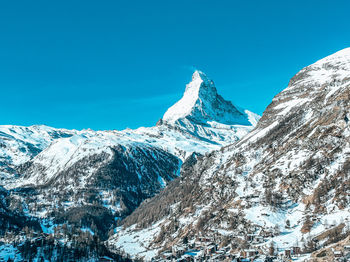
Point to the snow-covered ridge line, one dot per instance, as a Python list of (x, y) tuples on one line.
[(205, 120), (209, 122)]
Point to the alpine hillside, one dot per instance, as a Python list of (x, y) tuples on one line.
[(280, 192)]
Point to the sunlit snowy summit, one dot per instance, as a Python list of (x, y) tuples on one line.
[(204, 114), (201, 104)]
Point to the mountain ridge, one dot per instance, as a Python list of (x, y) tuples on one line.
[(76, 178), (275, 189)]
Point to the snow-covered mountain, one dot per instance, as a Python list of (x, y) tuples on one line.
[(207, 122), (284, 187), (19, 144), (56, 173), (204, 113), (202, 104)]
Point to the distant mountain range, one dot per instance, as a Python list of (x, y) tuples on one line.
[(59, 176)]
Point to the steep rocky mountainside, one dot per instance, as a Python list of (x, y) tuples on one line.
[(284, 185), (86, 181)]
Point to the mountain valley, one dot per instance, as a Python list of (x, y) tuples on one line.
[(209, 182)]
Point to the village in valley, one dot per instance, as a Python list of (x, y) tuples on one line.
[(252, 242), (206, 249), (256, 245)]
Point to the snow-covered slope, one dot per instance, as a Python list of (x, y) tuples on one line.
[(19, 144), (284, 185), (116, 170)]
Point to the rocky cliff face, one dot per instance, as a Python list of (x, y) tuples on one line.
[(285, 184)]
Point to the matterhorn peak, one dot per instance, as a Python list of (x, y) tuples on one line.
[(199, 75), (200, 87), (201, 104)]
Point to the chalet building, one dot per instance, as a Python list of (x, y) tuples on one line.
[(266, 234), (288, 253), (198, 245), (178, 251), (205, 239), (167, 256), (219, 257), (249, 253), (296, 250), (250, 237), (191, 245), (210, 249), (188, 258), (338, 254), (258, 240)]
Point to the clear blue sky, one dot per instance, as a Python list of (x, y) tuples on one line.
[(117, 64)]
